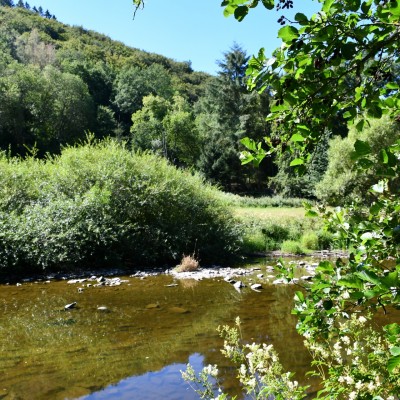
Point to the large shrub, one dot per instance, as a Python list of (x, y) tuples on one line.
[(341, 182), (101, 204)]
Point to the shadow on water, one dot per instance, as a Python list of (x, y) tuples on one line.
[(137, 344)]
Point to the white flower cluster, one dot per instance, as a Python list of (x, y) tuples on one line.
[(356, 356)]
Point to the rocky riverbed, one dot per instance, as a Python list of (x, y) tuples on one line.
[(267, 274)]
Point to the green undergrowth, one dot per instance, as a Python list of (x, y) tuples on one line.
[(100, 204), (270, 230)]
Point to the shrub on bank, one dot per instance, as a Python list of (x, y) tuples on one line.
[(292, 247), (100, 204), (270, 235)]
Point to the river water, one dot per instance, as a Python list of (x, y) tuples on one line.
[(136, 346)]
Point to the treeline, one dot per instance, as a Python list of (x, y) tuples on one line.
[(26, 5)]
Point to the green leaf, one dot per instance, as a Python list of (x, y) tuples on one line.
[(374, 111), (395, 351), (325, 266), (299, 296), (395, 8), (391, 280), (392, 85), (241, 12), (297, 138), (311, 213), (392, 329), (362, 162), (297, 161), (348, 50), (354, 5), (375, 208), (327, 5), (370, 277), (361, 148), (249, 143), (360, 125), (383, 156), (327, 304), (393, 362), (301, 18), (288, 33), (268, 4), (351, 281)]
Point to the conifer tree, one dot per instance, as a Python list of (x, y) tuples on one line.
[(7, 3), (27, 6), (20, 4)]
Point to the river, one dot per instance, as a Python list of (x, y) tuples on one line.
[(130, 341)]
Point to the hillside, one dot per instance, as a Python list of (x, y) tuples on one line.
[(59, 82), (38, 52)]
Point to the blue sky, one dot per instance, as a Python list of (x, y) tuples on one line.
[(185, 30)]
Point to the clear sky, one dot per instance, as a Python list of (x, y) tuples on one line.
[(184, 30)]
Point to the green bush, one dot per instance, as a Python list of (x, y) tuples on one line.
[(292, 247), (101, 204), (309, 240), (326, 240), (341, 183)]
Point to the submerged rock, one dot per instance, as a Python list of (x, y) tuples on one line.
[(256, 286), (70, 306), (152, 306), (239, 285), (179, 310)]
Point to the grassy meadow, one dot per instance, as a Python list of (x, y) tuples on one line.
[(284, 229)]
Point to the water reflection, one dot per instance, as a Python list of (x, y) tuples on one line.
[(164, 384), (150, 331)]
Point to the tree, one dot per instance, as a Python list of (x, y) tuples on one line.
[(31, 49), (225, 114), (20, 4), (167, 128), (132, 84), (7, 3), (342, 183)]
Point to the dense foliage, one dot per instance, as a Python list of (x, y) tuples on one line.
[(100, 204)]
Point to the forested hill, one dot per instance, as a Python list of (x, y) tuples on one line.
[(58, 82), (71, 68)]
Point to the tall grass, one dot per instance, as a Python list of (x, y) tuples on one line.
[(234, 200)]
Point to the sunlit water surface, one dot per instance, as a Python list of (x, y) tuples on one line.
[(138, 346)]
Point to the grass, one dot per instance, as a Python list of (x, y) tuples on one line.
[(269, 228), (268, 213), (235, 200), (188, 264)]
